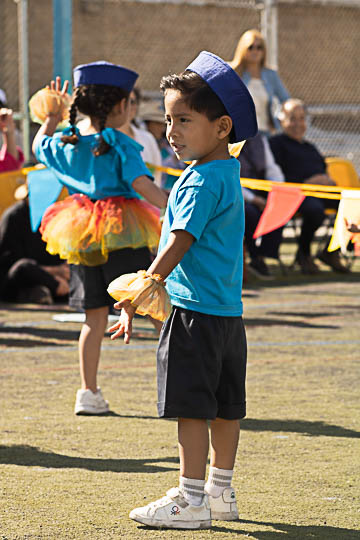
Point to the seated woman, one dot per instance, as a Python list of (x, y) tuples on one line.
[(11, 156), (301, 162), (258, 162), (264, 84)]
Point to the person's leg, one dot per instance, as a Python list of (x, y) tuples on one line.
[(89, 399), (270, 244), (193, 436), (257, 265), (252, 216), (91, 336), (224, 443), (312, 212)]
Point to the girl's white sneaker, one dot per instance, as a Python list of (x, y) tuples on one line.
[(174, 512), (224, 507), (88, 403)]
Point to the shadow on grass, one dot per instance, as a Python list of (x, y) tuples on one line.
[(284, 322), (296, 532), (313, 429), (31, 456), (45, 333), (301, 279), (58, 307), (138, 416)]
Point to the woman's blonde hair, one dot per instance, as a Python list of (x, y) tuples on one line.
[(246, 40)]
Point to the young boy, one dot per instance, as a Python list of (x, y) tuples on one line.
[(202, 350)]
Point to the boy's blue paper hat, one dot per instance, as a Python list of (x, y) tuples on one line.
[(233, 93), (105, 73)]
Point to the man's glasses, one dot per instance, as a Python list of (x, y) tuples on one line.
[(133, 102), (256, 48)]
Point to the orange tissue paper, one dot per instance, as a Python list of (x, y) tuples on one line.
[(146, 292)]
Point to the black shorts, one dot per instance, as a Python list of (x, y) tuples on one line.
[(201, 366), (88, 284)]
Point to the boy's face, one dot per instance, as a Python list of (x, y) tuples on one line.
[(191, 135)]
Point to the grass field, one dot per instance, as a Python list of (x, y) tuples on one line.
[(297, 472)]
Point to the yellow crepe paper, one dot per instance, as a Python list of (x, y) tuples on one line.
[(146, 292), (48, 102)]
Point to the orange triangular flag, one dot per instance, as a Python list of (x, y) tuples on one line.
[(282, 203)]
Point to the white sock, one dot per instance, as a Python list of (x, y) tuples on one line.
[(218, 480), (193, 490)]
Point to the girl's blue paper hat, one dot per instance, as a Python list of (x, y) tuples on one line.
[(233, 93), (105, 73)]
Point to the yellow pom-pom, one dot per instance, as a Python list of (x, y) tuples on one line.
[(146, 293), (46, 102)]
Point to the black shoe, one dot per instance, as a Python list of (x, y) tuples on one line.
[(259, 268), (332, 259), (306, 263)]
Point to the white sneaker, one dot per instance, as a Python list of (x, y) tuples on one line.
[(224, 507), (174, 512), (89, 403)]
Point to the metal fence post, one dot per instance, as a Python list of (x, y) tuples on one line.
[(23, 40), (62, 22), (269, 29)]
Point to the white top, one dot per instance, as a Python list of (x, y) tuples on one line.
[(260, 96), (272, 171), (151, 153)]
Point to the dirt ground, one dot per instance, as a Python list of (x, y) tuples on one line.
[(297, 471)]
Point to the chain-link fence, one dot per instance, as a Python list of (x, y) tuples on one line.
[(317, 45)]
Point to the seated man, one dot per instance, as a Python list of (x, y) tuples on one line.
[(258, 162), (28, 273), (301, 162)]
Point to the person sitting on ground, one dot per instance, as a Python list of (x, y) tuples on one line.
[(257, 161), (11, 156), (151, 150), (28, 273), (301, 162)]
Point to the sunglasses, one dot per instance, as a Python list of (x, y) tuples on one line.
[(256, 48), (133, 102)]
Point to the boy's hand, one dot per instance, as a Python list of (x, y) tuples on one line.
[(124, 324)]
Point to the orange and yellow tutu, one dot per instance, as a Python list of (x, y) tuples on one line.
[(84, 232)]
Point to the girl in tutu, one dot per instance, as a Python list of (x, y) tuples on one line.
[(104, 228)]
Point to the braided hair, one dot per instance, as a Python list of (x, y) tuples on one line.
[(94, 100)]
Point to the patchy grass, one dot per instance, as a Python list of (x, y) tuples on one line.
[(297, 472)]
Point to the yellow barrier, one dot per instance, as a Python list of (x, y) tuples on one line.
[(10, 181)]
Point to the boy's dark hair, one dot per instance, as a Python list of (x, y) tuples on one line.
[(197, 95), (95, 100)]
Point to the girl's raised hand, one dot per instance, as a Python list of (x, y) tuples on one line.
[(56, 86)]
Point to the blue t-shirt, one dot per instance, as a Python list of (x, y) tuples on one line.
[(207, 202), (108, 175)]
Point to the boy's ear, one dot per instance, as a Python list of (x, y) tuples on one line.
[(224, 126)]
